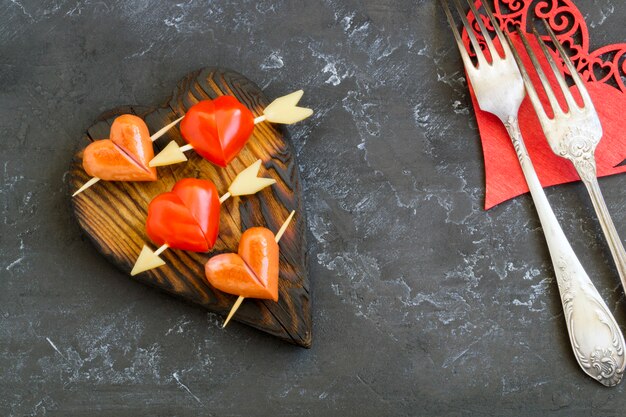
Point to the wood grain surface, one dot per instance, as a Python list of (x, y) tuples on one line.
[(113, 214)]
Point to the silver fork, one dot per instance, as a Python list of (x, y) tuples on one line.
[(573, 135), (595, 337)]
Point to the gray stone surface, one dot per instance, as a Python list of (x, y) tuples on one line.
[(424, 304)]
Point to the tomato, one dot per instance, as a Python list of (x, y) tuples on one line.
[(218, 129), (187, 218)]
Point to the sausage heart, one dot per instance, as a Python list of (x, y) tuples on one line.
[(123, 157), (253, 271)]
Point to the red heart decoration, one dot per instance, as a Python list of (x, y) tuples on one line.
[(253, 272), (123, 157), (218, 129), (503, 176), (187, 217)]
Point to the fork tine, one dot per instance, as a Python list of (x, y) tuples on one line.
[(530, 89), (564, 87), (459, 42), (479, 53), (496, 26), (556, 108), (492, 50), (572, 70)]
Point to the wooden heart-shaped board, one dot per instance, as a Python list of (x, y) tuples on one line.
[(113, 214)]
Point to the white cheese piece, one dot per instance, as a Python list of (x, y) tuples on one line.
[(147, 260), (171, 154), (285, 109), (247, 182)]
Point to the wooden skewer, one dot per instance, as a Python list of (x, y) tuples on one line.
[(224, 197), (86, 185), (282, 229), (283, 110), (240, 299), (245, 183), (161, 249), (233, 310), (163, 130), (154, 137)]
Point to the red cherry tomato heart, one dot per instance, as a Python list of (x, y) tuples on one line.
[(123, 157), (218, 129), (251, 273), (187, 218)]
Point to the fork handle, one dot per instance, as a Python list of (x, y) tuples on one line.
[(615, 243), (595, 337)]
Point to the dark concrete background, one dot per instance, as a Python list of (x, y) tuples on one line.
[(424, 304)]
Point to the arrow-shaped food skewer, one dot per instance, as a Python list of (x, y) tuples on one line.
[(154, 137), (240, 299), (246, 182), (283, 110)]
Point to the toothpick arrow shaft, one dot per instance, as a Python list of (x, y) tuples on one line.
[(224, 197), (86, 185), (173, 154), (163, 130), (233, 310)]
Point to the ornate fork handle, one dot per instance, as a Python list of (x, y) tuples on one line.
[(580, 151), (615, 243), (595, 337)]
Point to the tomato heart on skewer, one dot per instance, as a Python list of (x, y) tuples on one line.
[(187, 217), (218, 129)]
